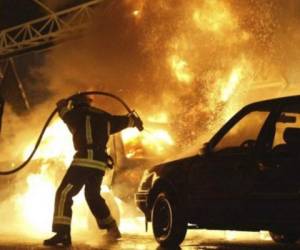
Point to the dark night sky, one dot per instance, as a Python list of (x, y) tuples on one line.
[(14, 12)]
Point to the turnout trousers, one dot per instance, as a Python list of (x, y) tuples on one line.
[(75, 178)]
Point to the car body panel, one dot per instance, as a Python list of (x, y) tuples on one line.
[(243, 187)]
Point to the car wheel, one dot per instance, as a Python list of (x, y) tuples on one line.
[(289, 237), (168, 221)]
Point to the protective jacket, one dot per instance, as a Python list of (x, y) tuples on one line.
[(91, 128)]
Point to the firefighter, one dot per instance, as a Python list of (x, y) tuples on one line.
[(90, 128)]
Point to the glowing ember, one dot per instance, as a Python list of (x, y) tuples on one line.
[(136, 13)]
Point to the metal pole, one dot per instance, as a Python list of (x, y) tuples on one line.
[(44, 6), (20, 85)]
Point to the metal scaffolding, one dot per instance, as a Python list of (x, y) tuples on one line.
[(43, 32)]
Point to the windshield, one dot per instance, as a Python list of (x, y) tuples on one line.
[(247, 128)]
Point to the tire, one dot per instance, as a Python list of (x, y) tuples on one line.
[(287, 238), (168, 221)]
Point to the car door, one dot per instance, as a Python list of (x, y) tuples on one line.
[(275, 197), (222, 177)]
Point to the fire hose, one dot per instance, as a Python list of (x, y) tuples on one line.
[(21, 166)]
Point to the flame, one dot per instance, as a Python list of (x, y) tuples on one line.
[(150, 142), (161, 117), (130, 224), (207, 37), (214, 16), (181, 69), (37, 202), (57, 143), (230, 86)]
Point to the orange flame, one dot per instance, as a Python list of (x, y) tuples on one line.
[(214, 16), (181, 69), (36, 203)]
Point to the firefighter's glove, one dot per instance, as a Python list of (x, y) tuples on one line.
[(62, 103), (136, 120)]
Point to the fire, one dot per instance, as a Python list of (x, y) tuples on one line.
[(207, 43), (37, 202), (152, 140), (161, 117), (214, 16), (57, 143), (181, 69), (230, 86)]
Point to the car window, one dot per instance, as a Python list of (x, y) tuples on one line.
[(247, 128), (282, 125)]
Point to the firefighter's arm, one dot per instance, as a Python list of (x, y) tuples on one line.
[(120, 122)]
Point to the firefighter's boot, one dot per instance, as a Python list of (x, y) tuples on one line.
[(63, 239), (113, 232)]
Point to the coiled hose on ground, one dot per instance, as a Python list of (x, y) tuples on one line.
[(48, 122)]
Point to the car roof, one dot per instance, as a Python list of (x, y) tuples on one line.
[(292, 104), (269, 104)]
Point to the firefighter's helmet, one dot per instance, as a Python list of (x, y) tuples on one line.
[(80, 99)]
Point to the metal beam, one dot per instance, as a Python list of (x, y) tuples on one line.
[(44, 6), (43, 32)]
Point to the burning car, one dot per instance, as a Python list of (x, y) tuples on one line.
[(245, 178)]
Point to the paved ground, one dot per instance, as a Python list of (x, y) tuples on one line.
[(196, 240)]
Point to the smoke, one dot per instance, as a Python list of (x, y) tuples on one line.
[(180, 57)]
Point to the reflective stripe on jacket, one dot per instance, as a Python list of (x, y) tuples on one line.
[(91, 128)]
